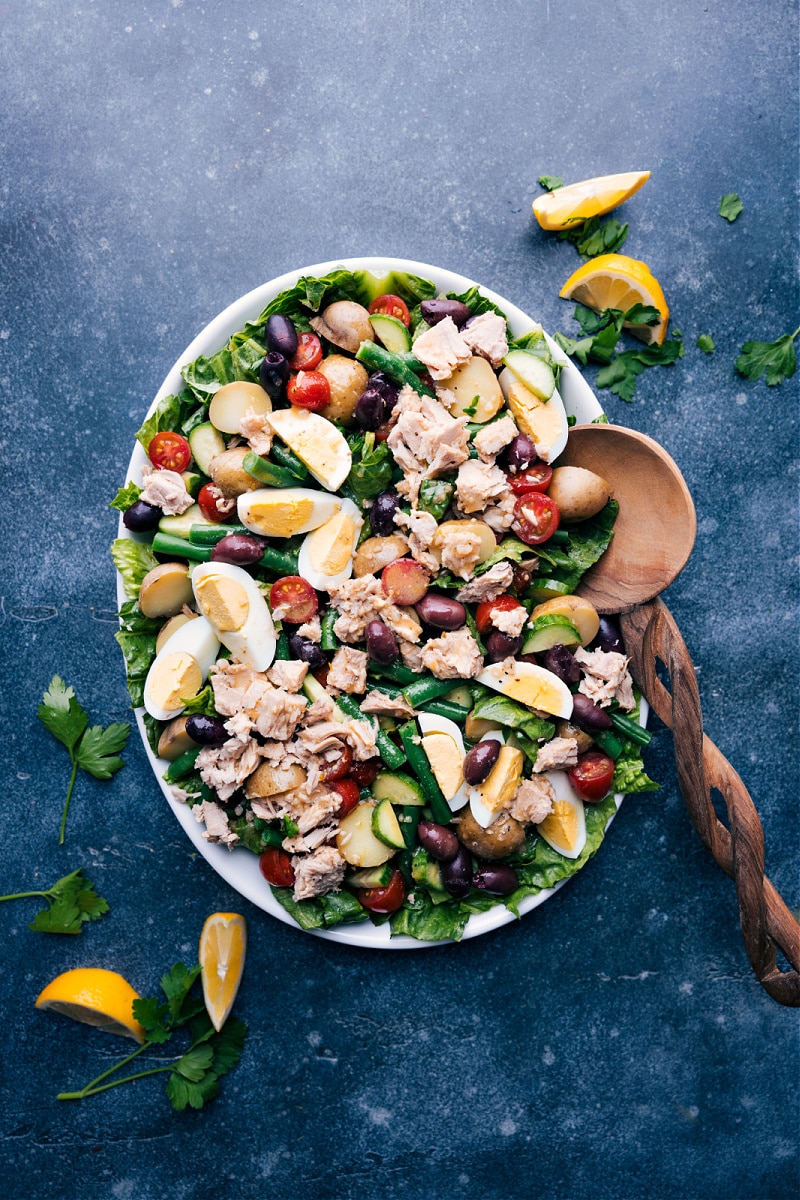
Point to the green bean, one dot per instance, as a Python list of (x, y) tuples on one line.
[(418, 761)]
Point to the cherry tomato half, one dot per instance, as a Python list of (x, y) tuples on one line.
[(536, 518), (170, 451), (592, 775), (213, 505), (535, 478), (340, 766), (384, 899), (309, 389), (308, 353), (276, 867), (391, 306), (350, 793), (487, 608), (295, 597)]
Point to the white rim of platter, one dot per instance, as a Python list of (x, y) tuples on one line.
[(239, 867)]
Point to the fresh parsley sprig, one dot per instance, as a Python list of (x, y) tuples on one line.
[(601, 333), (730, 207), (93, 749), (194, 1075), (593, 237), (71, 901), (777, 358)]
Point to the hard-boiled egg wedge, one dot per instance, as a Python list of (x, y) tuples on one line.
[(283, 512), (317, 442), (180, 668), (233, 603), (543, 420), (326, 555), (444, 748), (565, 827), (529, 684)]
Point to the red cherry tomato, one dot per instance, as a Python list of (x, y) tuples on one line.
[(213, 505), (384, 899), (592, 775), (535, 478), (365, 773), (340, 766), (170, 451), (276, 867), (309, 389), (350, 793), (486, 609), (536, 518), (296, 596), (392, 306), (308, 353)]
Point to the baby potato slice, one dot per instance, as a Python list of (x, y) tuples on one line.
[(230, 403), (356, 842), (229, 475), (174, 740), (474, 379), (377, 552), (165, 590), (268, 780), (347, 379), (578, 492), (449, 528), (578, 611)]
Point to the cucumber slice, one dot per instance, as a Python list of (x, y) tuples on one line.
[(315, 691), (460, 695), (371, 877), (398, 788), (386, 826), (181, 526), (205, 443), (429, 874), (552, 629), (391, 332), (542, 589), (192, 482), (532, 372)]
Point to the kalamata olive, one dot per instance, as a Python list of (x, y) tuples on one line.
[(206, 731), (609, 637), (498, 879), (378, 382), (238, 548), (381, 515), (500, 646), (440, 842), (480, 760), (434, 311), (273, 374), (371, 409), (520, 453), (561, 662), (307, 651), (382, 645), (141, 517), (442, 612), (522, 577), (281, 335), (588, 715), (457, 874)]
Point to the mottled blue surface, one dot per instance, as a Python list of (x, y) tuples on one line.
[(159, 160)]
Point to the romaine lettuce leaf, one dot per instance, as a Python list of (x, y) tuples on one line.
[(126, 496), (171, 413), (133, 560), (137, 640), (371, 472), (508, 712), (205, 376), (323, 912)]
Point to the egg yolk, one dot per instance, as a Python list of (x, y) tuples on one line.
[(445, 759), (224, 602), (174, 680), (532, 415), (497, 790), (561, 825), (330, 546), (278, 517)]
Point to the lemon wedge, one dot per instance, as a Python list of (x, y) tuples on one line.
[(223, 944), (95, 997), (576, 203), (616, 281)]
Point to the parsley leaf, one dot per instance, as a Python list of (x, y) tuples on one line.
[(71, 901), (730, 206), (550, 183), (619, 369), (94, 750), (595, 237), (706, 343), (777, 358)]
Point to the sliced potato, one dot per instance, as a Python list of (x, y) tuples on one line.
[(165, 590), (484, 532), (268, 780), (580, 612), (501, 838), (579, 493), (169, 627), (377, 552), (476, 727), (229, 475), (233, 400), (475, 378), (347, 379), (174, 740), (345, 323), (357, 843)]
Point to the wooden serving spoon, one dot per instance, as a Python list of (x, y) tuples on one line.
[(653, 539)]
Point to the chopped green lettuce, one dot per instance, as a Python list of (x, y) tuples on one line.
[(137, 640), (171, 413), (495, 707), (133, 560), (323, 912), (371, 472), (126, 496)]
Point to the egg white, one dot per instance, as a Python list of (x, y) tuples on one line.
[(324, 506), (317, 442), (305, 564), (196, 637), (550, 446), (255, 642), (430, 723), (502, 679), (566, 793)]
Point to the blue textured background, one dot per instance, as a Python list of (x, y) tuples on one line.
[(157, 160)]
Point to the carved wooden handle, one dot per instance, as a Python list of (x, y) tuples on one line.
[(651, 635)]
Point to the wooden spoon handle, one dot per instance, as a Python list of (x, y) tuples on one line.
[(651, 636)]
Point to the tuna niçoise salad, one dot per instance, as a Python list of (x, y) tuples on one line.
[(351, 615)]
